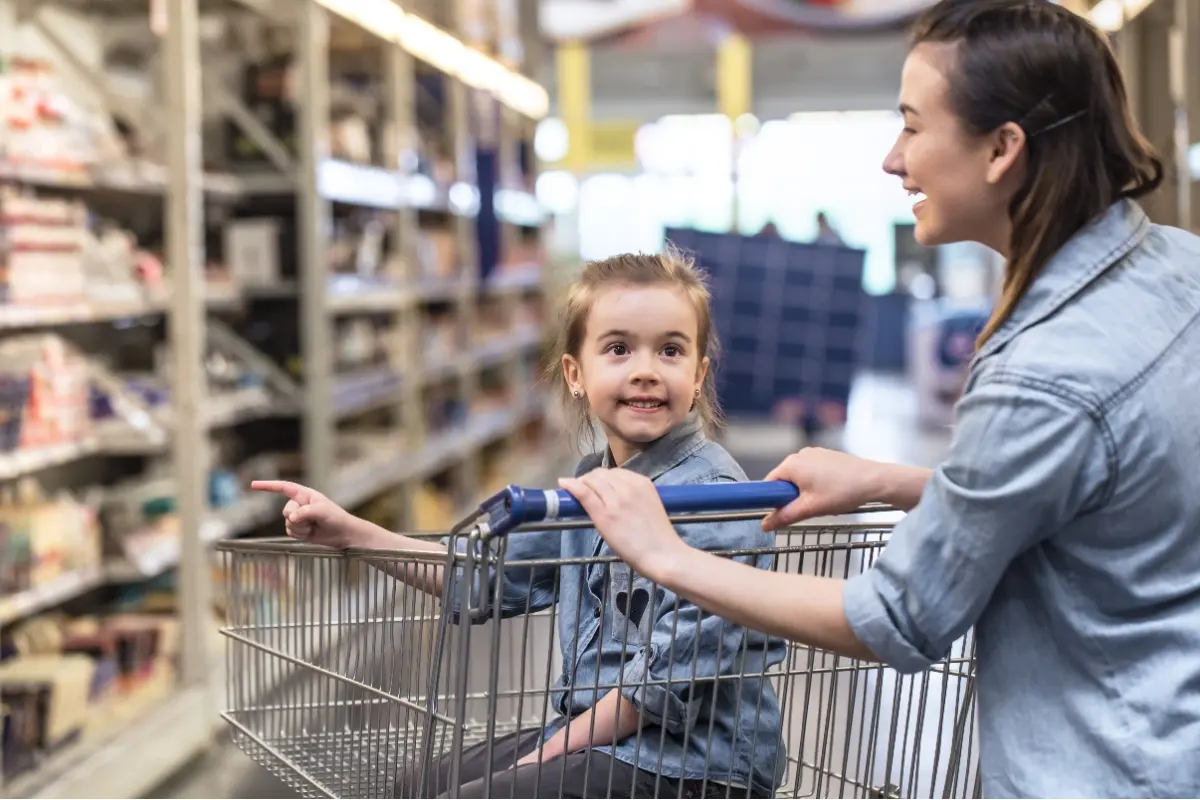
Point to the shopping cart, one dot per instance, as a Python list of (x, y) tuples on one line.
[(347, 682)]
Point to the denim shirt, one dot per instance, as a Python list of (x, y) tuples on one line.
[(1065, 525), (726, 732)]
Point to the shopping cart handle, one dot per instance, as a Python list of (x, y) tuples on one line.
[(514, 506)]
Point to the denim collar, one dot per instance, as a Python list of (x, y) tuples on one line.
[(1086, 256), (662, 454)]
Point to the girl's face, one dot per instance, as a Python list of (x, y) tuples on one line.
[(961, 184), (639, 367)]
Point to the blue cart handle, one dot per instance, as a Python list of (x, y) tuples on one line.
[(514, 506)]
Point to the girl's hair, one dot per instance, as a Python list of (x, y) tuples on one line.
[(1047, 69), (673, 269)]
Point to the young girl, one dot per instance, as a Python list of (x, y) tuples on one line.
[(634, 355)]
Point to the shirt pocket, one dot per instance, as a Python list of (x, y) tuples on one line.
[(630, 605)]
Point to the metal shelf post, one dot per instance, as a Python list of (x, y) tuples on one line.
[(185, 248), (313, 216)]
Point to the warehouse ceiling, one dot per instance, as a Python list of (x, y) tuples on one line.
[(655, 57), (597, 19)]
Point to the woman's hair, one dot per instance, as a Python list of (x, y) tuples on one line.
[(672, 269), (1036, 64)]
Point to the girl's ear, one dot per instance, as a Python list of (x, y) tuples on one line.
[(572, 374), (702, 371)]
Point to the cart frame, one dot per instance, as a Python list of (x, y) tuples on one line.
[(346, 681)]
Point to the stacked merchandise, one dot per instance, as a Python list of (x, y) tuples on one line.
[(51, 258), (42, 133), (437, 257), (788, 316), (43, 540), (63, 679), (43, 262), (44, 394)]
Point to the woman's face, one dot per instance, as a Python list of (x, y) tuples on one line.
[(960, 183)]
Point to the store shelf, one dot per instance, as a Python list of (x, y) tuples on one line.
[(516, 279), (25, 462), (360, 481), (137, 178), (365, 390), (251, 510), (15, 317), (54, 593), (157, 735), (363, 264)]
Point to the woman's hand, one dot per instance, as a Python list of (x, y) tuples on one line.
[(830, 482), (629, 515), (311, 516)]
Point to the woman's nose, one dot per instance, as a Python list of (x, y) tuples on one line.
[(893, 162)]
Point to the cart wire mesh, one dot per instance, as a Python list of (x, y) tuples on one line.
[(344, 681)]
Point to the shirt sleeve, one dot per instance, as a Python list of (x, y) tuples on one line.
[(522, 589), (688, 646), (1026, 458)]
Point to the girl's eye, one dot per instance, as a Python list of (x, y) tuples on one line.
[(671, 351), (617, 349)]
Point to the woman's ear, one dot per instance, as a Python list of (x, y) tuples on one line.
[(1007, 145)]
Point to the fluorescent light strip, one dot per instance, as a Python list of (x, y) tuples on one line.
[(444, 51), (1110, 15)]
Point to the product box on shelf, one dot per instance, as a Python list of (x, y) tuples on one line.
[(47, 701), (42, 539), (42, 255), (252, 251), (437, 255), (52, 379), (42, 131), (62, 678)]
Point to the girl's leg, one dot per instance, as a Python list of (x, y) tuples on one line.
[(578, 775), (473, 764)]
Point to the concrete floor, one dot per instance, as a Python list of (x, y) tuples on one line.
[(881, 425)]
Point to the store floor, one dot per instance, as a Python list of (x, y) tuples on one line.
[(881, 424)]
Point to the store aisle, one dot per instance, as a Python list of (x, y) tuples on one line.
[(881, 424)]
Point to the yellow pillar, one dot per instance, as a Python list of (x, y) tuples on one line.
[(735, 92), (574, 76), (735, 79)]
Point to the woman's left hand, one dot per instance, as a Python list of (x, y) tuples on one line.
[(629, 515)]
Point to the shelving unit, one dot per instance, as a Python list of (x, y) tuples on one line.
[(354, 295)]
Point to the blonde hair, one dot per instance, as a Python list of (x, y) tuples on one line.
[(673, 269)]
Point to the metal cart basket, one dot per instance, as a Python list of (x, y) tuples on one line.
[(346, 681)]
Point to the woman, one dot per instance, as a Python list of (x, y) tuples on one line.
[(1064, 525)]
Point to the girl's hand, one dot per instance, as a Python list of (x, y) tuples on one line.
[(311, 516), (535, 757), (629, 515), (830, 482)]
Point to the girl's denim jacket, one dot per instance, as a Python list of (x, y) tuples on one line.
[(636, 636)]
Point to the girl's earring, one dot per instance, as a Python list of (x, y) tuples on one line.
[(575, 393), (697, 391)]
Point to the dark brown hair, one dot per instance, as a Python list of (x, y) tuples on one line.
[(1036, 64), (673, 269)]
